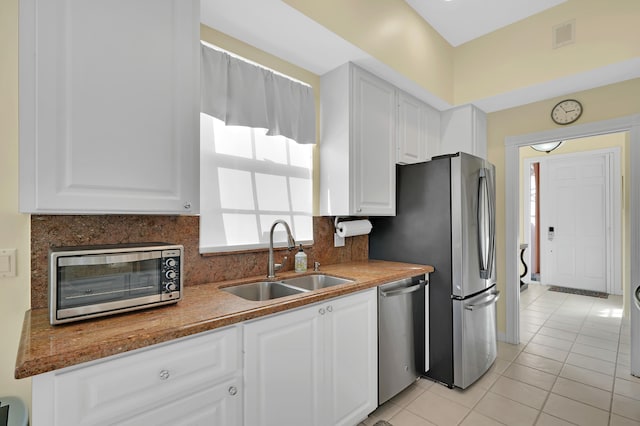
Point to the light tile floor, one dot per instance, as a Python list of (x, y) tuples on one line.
[(571, 368)]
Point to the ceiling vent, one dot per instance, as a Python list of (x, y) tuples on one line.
[(564, 34)]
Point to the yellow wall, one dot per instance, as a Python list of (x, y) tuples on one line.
[(392, 32), (247, 51), (521, 55), (607, 102), (14, 227)]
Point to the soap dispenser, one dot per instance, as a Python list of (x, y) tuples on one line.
[(301, 260)]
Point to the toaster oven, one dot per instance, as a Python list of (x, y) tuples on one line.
[(89, 282)]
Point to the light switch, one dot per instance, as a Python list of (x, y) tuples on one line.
[(7, 262)]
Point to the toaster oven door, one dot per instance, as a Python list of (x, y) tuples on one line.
[(101, 281)]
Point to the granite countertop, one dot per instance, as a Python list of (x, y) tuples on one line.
[(204, 307)]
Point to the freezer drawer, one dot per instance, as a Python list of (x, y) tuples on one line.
[(401, 335), (474, 337)]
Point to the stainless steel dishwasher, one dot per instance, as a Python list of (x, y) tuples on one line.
[(402, 342)]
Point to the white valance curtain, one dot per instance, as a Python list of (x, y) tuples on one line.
[(240, 93)]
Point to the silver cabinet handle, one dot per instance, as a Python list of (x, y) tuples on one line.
[(405, 290), (187, 205), (164, 374), (329, 308), (490, 301), (321, 311), (233, 390)]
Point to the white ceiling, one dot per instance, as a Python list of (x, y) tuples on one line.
[(276, 28), (460, 21)]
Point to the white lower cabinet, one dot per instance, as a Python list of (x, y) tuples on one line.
[(193, 381), (316, 365)]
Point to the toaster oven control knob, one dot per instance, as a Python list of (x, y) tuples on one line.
[(171, 262), (171, 274), (171, 286)]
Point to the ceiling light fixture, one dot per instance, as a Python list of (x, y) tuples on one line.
[(547, 146)]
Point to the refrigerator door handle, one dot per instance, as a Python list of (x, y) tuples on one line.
[(486, 225), (490, 301)]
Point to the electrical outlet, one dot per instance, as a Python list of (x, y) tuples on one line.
[(338, 241)]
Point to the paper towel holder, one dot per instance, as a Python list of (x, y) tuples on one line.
[(338, 241), (349, 228), (336, 221)]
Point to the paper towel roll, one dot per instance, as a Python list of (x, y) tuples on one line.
[(353, 227)]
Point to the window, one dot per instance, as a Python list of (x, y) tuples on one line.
[(248, 180)]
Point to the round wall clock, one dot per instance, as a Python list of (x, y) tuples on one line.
[(566, 112)]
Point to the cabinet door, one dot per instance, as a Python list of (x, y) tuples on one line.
[(351, 353), (283, 369), (373, 114), (213, 406), (117, 389), (412, 130), (109, 106), (464, 129)]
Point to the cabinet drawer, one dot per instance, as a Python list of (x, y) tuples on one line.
[(118, 388), (212, 406)]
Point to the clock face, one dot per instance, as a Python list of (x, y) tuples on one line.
[(566, 112)]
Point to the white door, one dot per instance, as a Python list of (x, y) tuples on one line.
[(574, 222), (283, 369), (412, 141), (373, 145), (352, 357), (109, 106)]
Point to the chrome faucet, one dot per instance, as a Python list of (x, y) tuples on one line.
[(272, 267)]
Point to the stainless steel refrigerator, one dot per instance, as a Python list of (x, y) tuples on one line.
[(445, 217)]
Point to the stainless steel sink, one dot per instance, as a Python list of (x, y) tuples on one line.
[(315, 281), (263, 290)]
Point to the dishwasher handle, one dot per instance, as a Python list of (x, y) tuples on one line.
[(405, 290)]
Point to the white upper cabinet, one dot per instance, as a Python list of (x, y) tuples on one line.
[(357, 148), (418, 130), (464, 129), (109, 106)]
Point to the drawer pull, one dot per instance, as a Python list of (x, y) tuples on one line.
[(233, 390), (164, 374), (321, 311), (329, 308)]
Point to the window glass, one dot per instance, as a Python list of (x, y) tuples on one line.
[(247, 181)]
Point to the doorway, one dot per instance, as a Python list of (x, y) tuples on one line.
[(512, 193), (572, 213)]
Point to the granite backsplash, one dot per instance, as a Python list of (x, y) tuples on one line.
[(69, 230)]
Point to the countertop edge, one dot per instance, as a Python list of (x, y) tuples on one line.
[(127, 332)]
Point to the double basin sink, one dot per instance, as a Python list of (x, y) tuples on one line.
[(267, 290)]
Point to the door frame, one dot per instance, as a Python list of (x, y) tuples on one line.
[(629, 123), (613, 242)]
